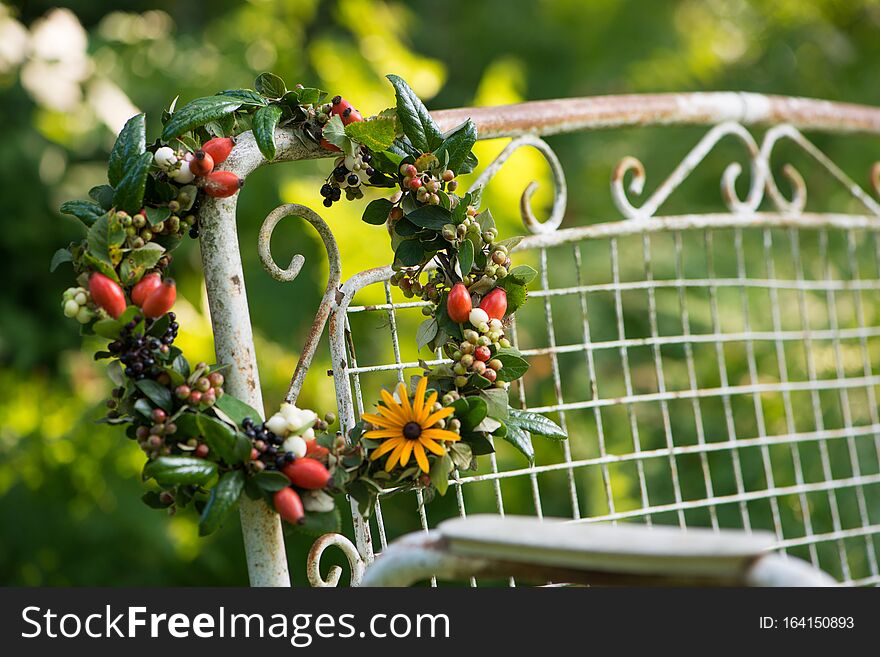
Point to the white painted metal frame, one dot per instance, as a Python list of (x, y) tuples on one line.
[(809, 350)]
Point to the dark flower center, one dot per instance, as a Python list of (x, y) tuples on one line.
[(412, 430)]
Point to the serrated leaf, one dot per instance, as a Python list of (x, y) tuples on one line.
[(427, 331), (130, 143), (236, 409), (430, 216), (308, 95), (465, 257), (521, 440), (129, 194), (156, 392), (102, 195), (270, 85), (224, 497), (457, 145), (86, 211), (516, 295), (536, 424), (264, 122), (181, 470), (376, 212), (334, 132), (521, 275), (409, 253), (513, 366), (376, 133), (421, 130), (104, 237), (136, 262), (59, 257), (197, 113), (246, 96)]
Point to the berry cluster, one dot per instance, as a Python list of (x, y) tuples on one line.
[(349, 173), (184, 167), (426, 179), (497, 258), (75, 302), (157, 439), (139, 231), (139, 352), (202, 387), (474, 354)]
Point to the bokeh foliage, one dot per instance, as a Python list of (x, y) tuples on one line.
[(68, 79)]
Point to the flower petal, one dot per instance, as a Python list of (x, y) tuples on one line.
[(391, 403), (379, 434), (392, 460), (406, 451), (434, 418), (429, 404), (440, 434), (431, 446), (404, 402), (393, 414), (421, 459), (385, 447), (419, 397), (379, 420)]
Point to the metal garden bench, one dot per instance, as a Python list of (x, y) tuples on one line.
[(715, 371)]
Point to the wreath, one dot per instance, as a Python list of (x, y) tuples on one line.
[(204, 447)]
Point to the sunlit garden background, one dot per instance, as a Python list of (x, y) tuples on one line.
[(69, 78)]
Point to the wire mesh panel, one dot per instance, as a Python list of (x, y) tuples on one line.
[(712, 377)]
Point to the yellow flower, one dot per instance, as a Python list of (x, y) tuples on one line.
[(409, 428)]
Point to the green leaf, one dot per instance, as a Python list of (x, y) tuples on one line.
[(521, 275), (308, 95), (236, 409), (479, 444), (521, 440), (497, 401), (457, 145), (536, 424), (157, 215), (516, 294), (271, 481), (156, 392), (376, 212), (470, 411), (485, 220), (319, 523), (377, 133), (414, 117), (136, 262), (334, 132), (264, 123), (409, 253), (107, 328), (427, 332), (466, 257), (430, 216), (91, 262), (181, 470), (130, 143), (223, 441), (439, 474), (511, 242), (270, 85), (224, 497), (199, 112), (104, 236), (513, 366), (246, 96), (102, 195), (129, 195), (405, 228), (59, 257), (86, 211)]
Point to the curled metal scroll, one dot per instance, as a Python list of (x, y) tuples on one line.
[(292, 271), (696, 155), (560, 191), (313, 564)]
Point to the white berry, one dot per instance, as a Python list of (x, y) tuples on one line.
[(165, 157), (183, 175), (478, 316), (296, 445), (71, 308)]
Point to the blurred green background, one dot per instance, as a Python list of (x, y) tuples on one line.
[(71, 74)]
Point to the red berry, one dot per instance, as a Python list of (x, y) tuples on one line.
[(202, 164), (314, 450), (307, 473), (159, 415), (351, 115), (201, 451), (458, 303), (146, 286), (107, 294), (411, 171), (289, 505), (182, 391), (254, 454), (415, 183), (495, 303), (219, 148), (221, 184), (339, 105), (482, 353), (490, 374), (161, 299), (195, 397)]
